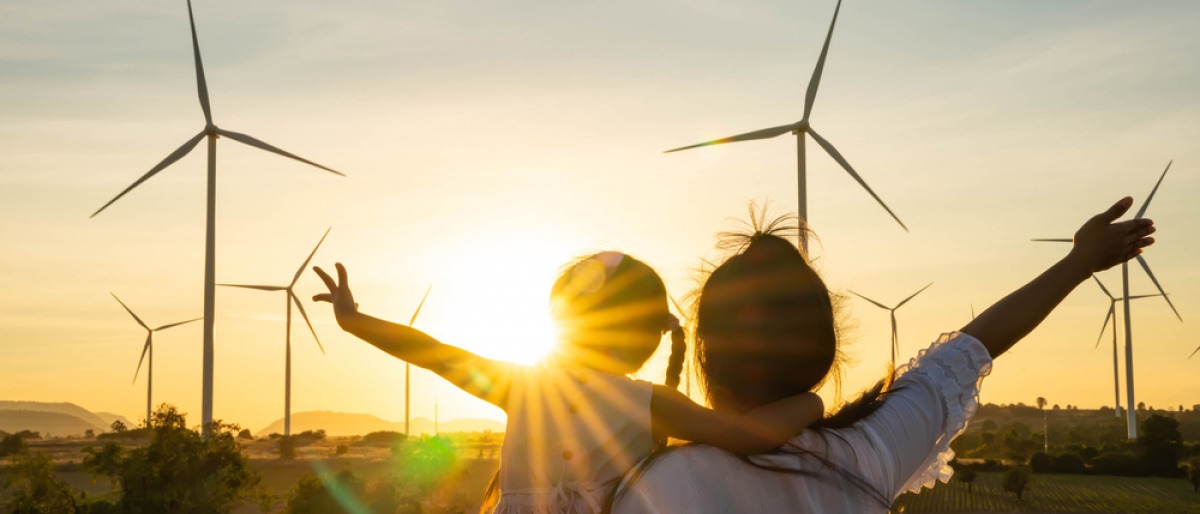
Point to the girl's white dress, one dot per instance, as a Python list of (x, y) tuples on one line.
[(570, 436), (903, 446)]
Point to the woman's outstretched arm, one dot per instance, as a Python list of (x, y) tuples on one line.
[(1100, 243), (487, 379)]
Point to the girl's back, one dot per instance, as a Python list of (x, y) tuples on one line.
[(571, 434)]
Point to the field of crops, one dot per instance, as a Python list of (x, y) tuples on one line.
[(1058, 493)]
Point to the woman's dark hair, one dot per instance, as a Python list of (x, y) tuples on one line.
[(765, 330)]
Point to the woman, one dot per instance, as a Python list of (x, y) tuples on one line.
[(765, 330)]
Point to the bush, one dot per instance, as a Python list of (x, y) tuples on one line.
[(1016, 480), (1068, 463), (12, 444), (342, 449), (968, 476), (31, 485), (385, 437), (245, 434), (1040, 462), (1117, 463), (180, 470)]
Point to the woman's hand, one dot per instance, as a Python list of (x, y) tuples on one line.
[(344, 308), (1101, 244)]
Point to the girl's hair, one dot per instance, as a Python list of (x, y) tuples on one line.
[(613, 306), (600, 300), (788, 345)]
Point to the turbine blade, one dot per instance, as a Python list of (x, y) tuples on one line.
[(1140, 296), (815, 81), (260, 288), (845, 165), (1141, 212), (419, 305), (201, 84), (1146, 267), (174, 156), (1194, 352), (247, 140), (1112, 312), (914, 294), (130, 311), (767, 133), (164, 327), (1054, 240), (1102, 288), (877, 304), (145, 349), (895, 333), (306, 321), (309, 259)]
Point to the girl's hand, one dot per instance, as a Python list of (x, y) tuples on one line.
[(339, 294), (1101, 244)]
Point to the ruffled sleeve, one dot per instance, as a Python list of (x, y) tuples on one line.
[(948, 374)]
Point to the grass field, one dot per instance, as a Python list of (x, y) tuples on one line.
[(1059, 493)]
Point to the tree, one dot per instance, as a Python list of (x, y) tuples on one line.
[(1040, 462), (1160, 445), (32, 486), (180, 470), (1016, 480), (12, 444), (245, 434)]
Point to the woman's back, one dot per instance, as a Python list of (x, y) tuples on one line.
[(902, 446)]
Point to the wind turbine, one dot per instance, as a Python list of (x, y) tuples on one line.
[(408, 367), (289, 300), (892, 312), (148, 349), (1131, 421), (211, 132), (799, 129), (1112, 314)]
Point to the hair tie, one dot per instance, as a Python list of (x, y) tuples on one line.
[(673, 323)]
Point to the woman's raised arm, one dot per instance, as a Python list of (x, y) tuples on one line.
[(1100, 243)]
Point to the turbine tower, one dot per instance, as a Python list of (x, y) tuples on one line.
[(1131, 420), (892, 312), (799, 129), (1112, 314), (210, 132), (289, 300), (148, 349), (408, 367)]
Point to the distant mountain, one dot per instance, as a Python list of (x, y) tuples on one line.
[(70, 409), (46, 423), (347, 424), (109, 417)]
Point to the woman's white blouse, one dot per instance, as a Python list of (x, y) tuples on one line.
[(903, 446)]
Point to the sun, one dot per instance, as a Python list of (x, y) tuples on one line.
[(499, 299)]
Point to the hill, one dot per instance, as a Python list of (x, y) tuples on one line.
[(46, 423), (348, 424), (69, 409)]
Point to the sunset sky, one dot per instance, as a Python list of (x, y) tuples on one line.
[(487, 143)]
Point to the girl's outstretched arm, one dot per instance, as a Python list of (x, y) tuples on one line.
[(1099, 244), (487, 379), (757, 431)]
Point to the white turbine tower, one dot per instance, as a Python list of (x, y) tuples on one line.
[(290, 299), (408, 367), (148, 350), (211, 132), (892, 312), (1131, 420), (799, 129), (1112, 314)]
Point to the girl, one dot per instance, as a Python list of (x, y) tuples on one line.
[(576, 423)]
